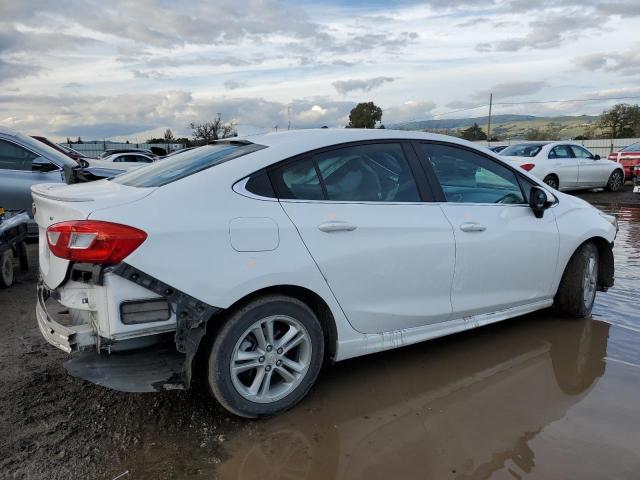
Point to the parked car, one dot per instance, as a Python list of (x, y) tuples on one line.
[(302, 247), (497, 148), (129, 158), (565, 165), (70, 152), (628, 157), (25, 161), (143, 151)]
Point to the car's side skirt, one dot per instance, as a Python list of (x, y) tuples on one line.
[(371, 343)]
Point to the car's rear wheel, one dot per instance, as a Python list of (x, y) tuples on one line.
[(616, 179), (6, 269), (577, 290), (266, 356), (552, 181)]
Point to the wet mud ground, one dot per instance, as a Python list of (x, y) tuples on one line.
[(532, 397)]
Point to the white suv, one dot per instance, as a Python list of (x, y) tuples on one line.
[(261, 258)]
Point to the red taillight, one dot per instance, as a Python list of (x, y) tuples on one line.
[(93, 241), (527, 166)]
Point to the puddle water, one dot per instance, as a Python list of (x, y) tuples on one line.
[(533, 397)]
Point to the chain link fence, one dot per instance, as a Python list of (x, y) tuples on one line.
[(92, 150)]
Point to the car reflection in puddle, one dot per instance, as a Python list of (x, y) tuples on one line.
[(535, 397)]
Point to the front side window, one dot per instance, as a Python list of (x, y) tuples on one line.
[(184, 164), (14, 157), (368, 173), (468, 177), (580, 152), (561, 151)]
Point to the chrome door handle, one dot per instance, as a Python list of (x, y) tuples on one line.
[(472, 227), (336, 227)]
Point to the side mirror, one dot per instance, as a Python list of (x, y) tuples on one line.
[(596, 157), (43, 165), (538, 201)]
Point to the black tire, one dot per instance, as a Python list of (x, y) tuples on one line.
[(219, 376), (552, 181), (615, 182), (22, 257), (575, 294), (6, 269)]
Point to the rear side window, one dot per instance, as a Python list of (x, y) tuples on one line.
[(184, 164), (298, 180), (468, 177), (368, 173), (561, 151), (259, 184)]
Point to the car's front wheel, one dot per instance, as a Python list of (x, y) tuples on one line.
[(266, 356), (616, 179), (577, 290)]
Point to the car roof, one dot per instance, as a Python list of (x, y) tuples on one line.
[(311, 139)]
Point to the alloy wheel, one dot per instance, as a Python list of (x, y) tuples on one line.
[(270, 359)]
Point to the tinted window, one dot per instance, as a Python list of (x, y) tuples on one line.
[(522, 150), (561, 151), (634, 147), (468, 177), (13, 157), (259, 184), (373, 173), (298, 180), (184, 164), (580, 152)]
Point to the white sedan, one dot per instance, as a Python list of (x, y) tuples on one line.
[(565, 165), (259, 259)]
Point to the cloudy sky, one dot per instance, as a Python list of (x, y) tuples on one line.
[(127, 69)]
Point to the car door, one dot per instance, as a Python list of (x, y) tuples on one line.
[(19, 169), (564, 164), (386, 252), (592, 173), (505, 256)]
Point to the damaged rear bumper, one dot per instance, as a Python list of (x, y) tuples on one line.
[(68, 338)]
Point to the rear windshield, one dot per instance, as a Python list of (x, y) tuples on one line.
[(184, 164), (634, 147), (522, 150)]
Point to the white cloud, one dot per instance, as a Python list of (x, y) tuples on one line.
[(344, 87)]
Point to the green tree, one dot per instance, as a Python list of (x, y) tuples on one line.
[(79, 141), (473, 133), (365, 115), (621, 121), (168, 136)]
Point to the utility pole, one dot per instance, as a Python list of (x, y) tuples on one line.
[(489, 125), (288, 118)]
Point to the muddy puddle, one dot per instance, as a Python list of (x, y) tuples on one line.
[(533, 397)]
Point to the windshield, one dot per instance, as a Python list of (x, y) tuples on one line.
[(48, 152), (634, 147), (184, 164), (522, 150)]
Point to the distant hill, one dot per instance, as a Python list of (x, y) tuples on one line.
[(508, 126)]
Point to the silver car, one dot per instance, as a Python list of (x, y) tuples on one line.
[(25, 161)]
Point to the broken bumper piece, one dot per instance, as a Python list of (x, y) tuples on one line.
[(69, 338), (151, 369)]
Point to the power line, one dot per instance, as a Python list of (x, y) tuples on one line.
[(540, 102)]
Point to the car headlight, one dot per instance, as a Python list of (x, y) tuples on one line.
[(610, 218)]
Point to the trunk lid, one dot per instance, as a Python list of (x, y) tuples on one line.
[(54, 203)]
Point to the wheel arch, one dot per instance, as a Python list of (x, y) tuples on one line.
[(310, 298), (606, 263)]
